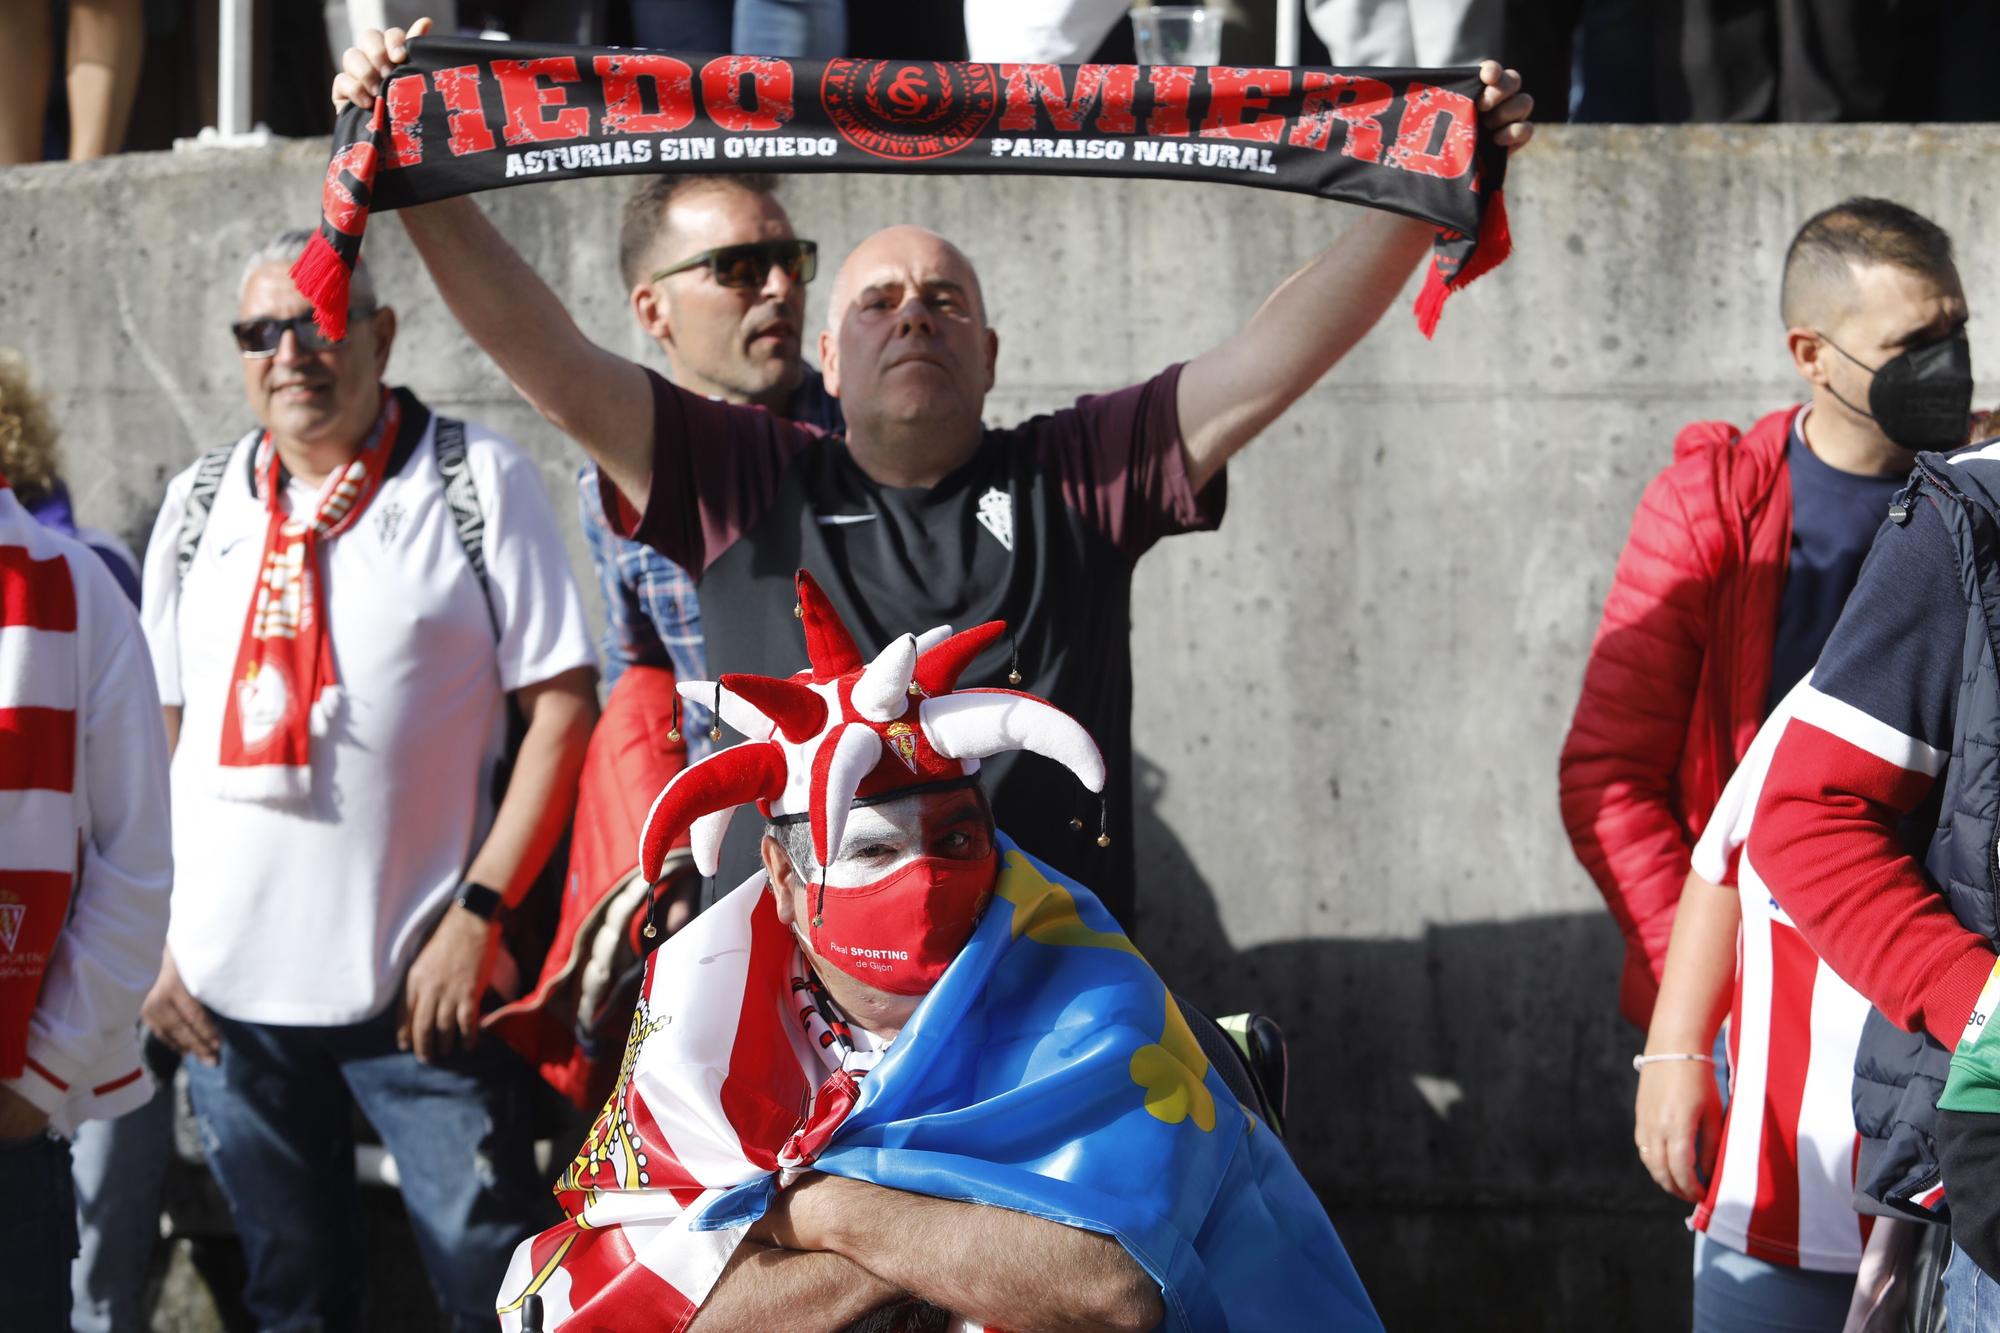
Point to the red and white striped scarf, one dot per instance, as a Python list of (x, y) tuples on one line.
[(720, 1066), (847, 1052), (284, 688), (38, 826)]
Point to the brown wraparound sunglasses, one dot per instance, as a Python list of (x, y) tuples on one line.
[(260, 337), (750, 264)]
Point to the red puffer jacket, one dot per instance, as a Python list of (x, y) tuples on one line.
[(572, 1025), (1674, 690)]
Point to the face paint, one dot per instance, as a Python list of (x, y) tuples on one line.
[(1921, 398), (894, 911)]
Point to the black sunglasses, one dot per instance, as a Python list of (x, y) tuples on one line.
[(750, 264), (260, 337)]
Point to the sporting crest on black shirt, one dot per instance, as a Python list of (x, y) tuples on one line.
[(996, 513)]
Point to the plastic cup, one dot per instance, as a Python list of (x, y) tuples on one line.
[(1178, 34)]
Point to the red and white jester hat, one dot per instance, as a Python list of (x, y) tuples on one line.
[(844, 730)]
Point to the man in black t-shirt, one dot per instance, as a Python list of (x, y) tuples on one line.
[(919, 515), (1039, 526)]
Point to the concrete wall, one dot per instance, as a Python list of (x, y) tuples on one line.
[(1349, 701)]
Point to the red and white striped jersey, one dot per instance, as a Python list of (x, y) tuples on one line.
[(1784, 1178)]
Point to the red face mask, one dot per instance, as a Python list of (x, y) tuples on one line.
[(900, 933)]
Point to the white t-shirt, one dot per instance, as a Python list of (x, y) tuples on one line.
[(1059, 32), (309, 913)]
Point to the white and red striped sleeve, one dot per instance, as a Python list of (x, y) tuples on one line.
[(1869, 735), (108, 954)]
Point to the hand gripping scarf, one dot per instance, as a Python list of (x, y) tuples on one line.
[(463, 116), (284, 687)]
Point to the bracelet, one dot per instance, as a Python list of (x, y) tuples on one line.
[(1641, 1061)]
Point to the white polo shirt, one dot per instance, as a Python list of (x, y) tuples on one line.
[(310, 912)]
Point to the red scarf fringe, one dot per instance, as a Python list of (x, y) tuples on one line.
[(322, 277), (1496, 242)]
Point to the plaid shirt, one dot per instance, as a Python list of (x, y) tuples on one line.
[(651, 614)]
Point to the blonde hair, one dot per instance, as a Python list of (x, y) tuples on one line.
[(28, 456)]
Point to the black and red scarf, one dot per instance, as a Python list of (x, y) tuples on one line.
[(284, 688), (463, 116)]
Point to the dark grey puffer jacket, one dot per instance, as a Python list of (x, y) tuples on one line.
[(1898, 1076)]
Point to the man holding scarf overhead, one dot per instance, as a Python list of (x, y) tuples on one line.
[(919, 505)]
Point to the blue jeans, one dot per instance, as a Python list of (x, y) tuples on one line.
[(119, 1167), (681, 25), (806, 29), (1971, 1299), (1721, 1065), (37, 1233), (1734, 1293), (277, 1133)]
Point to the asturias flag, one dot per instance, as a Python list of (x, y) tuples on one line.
[(1049, 1071)]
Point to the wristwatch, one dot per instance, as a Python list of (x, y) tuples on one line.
[(482, 902)]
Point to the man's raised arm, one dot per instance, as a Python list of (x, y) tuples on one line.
[(1230, 393), (597, 398)]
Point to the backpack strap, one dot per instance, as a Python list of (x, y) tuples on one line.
[(208, 474), (461, 494)]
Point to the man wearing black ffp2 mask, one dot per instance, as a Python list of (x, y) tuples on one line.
[(1920, 397), (1737, 576)]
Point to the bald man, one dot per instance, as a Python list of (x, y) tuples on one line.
[(920, 516)]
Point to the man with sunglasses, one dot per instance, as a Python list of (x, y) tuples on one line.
[(1734, 584), (337, 674), (715, 276), (918, 506)]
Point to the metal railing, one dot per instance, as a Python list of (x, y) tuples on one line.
[(236, 48), (1288, 31)]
